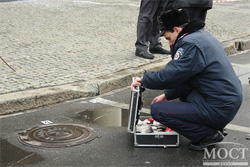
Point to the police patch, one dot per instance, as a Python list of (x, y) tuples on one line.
[(178, 53)]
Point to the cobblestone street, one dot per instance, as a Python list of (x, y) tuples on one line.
[(59, 42)]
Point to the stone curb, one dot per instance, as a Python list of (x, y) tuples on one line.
[(237, 45), (29, 99), (19, 101)]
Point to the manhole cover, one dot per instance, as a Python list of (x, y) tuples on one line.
[(57, 135)]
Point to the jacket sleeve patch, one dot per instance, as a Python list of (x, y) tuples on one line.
[(178, 53)]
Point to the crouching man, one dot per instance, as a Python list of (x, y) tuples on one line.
[(200, 75)]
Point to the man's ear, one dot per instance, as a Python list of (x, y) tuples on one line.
[(177, 29)]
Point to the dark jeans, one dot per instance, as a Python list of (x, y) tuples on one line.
[(181, 117)]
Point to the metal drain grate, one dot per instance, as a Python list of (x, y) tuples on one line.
[(57, 135)]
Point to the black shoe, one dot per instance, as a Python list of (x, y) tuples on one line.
[(223, 131), (214, 137), (159, 50), (195, 146), (144, 54)]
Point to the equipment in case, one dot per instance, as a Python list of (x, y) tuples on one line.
[(147, 132)]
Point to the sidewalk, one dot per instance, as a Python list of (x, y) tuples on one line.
[(69, 49)]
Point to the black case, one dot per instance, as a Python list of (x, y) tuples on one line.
[(155, 139)]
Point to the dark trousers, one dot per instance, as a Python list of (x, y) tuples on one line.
[(147, 25), (200, 13), (181, 117)]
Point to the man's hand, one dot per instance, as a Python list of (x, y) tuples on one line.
[(159, 98), (136, 82)]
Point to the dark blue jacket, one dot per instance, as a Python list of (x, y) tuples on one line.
[(201, 70)]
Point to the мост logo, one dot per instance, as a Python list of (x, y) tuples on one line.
[(226, 154)]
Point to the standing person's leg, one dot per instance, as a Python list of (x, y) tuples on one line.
[(200, 13), (154, 35), (144, 27), (203, 14), (154, 40)]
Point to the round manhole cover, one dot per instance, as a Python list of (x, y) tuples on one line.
[(57, 135)]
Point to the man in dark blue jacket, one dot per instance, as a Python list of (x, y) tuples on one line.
[(201, 75)]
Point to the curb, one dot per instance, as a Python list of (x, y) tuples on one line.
[(237, 45), (25, 100), (30, 99)]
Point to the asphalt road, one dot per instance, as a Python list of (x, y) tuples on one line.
[(65, 49), (115, 145)]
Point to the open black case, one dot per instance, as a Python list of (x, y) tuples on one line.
[(147, 139)]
